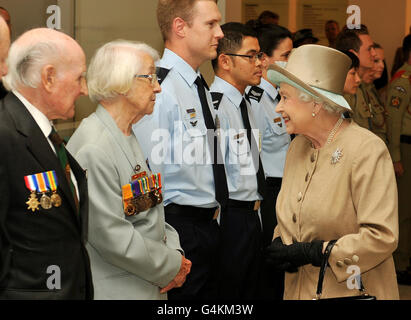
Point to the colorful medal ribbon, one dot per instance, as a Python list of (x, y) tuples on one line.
[(151, 183), (36, 182), (41, 183), (45, 200), (31, 183), (141, 182), (127, 194), (159, 182), (52, 184), (136, 189), (51, 180)]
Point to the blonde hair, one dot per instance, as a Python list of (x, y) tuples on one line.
[(113, 67)]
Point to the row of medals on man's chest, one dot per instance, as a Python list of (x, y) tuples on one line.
[(43, 191), (142, 193)]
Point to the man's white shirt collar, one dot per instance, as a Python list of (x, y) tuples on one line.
[(40, 118)]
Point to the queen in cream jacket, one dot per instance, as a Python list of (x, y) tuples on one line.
[(353, 200)]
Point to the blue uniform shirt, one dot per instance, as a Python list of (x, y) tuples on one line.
[(241, 172), (174, 137), (275, 139)]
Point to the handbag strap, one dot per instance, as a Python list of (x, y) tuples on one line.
[(324, 264)]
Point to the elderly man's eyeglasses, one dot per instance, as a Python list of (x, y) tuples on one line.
[(252, 58), (152, 77)]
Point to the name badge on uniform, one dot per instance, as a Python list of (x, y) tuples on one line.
[(278, 122), (239, 138), (191, 112), (42, 184)]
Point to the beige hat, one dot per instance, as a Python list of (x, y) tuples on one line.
[(317, 70)]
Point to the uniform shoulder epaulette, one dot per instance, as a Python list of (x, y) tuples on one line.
[(255, 93), (161, 74), (398, 75), (217, 97)]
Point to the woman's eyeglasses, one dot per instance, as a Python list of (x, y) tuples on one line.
[(152, 77)]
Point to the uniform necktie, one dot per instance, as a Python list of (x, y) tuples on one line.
[(260, 172), (220, 179), (62, 156)]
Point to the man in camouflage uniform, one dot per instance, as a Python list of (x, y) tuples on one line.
[(399, 137), (368, 111), (371, 105)]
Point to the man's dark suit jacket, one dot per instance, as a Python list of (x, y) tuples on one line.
[(31, 242)]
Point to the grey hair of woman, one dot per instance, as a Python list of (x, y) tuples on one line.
[(113, 67)]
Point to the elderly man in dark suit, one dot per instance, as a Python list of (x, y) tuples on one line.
[(43, 190)]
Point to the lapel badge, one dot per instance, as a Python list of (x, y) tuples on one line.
[(238, 137), (191, 112), (336, 156), (193, 123), (278, 121), (395, 102)]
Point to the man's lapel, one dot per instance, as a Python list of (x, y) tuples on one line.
[(81, 178)]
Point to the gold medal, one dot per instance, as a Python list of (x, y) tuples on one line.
[(33, 203), (45, 202), (55, 200)]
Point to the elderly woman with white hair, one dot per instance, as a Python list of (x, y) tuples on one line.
[(134, 254), (338, 184)]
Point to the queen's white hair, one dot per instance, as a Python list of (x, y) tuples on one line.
[(113, 67), (305, 97), (25, 63)]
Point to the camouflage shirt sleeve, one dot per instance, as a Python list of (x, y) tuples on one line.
[(398, 99)]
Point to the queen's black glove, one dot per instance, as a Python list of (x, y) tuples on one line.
[(290, 257)]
